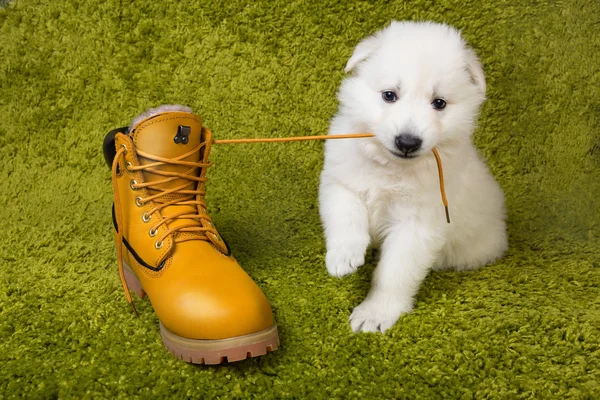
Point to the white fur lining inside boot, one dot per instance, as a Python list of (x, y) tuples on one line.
[(159, 110)]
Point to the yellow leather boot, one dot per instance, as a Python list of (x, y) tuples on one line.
[(209, 309)]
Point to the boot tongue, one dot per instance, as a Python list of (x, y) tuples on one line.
[(169, 135)]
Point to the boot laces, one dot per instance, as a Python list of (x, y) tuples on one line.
[(189, 193)]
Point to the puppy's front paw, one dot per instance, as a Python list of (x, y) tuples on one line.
[(344, 260), (376, 316)]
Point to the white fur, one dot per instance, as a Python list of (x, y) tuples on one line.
[(159, 110), (370, 196)]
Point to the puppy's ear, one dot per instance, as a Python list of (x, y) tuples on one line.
[(475, 70), (362, 51)]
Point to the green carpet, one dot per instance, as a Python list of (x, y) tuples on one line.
[(70, 70)]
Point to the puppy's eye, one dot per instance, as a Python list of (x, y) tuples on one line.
[(439, 104), (389, 96)]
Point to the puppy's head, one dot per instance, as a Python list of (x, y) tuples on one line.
[(415, 86)]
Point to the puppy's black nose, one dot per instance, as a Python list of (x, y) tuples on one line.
[(408, 143)]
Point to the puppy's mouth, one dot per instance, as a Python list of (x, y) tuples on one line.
[(404, 156)]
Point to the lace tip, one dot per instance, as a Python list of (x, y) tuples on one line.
[(447, 214), (134, 310)]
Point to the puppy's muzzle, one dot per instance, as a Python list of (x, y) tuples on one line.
[(407, 144)]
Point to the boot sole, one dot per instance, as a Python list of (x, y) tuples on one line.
[(210, 352)]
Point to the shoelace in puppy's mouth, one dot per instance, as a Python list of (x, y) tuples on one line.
[(438, 160), (186, 194)]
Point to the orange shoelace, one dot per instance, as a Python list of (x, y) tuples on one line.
[(190, 194), (438, 160), (185, 197)]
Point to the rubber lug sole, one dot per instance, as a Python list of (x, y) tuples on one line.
[(210, 352), (217, 351)]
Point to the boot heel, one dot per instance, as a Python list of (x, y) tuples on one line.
[(133, 282)]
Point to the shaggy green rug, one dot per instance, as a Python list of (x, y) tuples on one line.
[(70, 70)]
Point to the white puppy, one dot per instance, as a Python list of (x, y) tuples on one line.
[(416, 86)]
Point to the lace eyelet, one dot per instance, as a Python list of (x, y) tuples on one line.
[(152, 232), (124, 147), (146, 217), (217, 237), (139, 202), (133, 182), (128, 166), (158, 245), (119, 171)]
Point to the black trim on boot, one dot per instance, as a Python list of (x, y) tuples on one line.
[(133, 253)]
